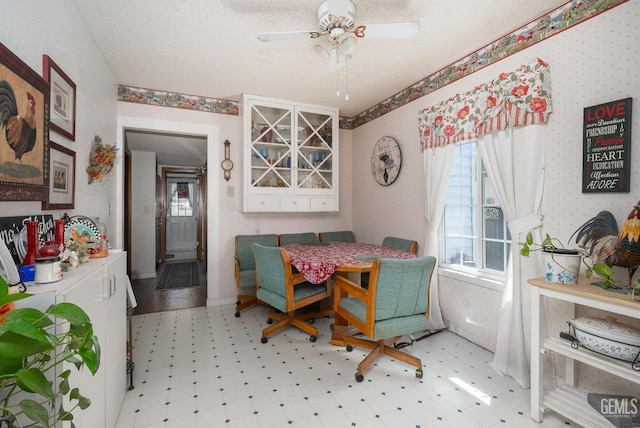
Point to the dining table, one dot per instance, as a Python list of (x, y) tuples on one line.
[(319, 262)]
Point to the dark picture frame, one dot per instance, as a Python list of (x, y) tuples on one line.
[(606, 159), (62, 95), (24, 161), (63, 178)]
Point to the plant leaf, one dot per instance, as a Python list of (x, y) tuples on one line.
[(13, 297), (32, 316), (603, 270), (10, 365), (64, 415), (36, 412), (83, 401), (530, 238), (33, 380), (70, 312), (14, 345)]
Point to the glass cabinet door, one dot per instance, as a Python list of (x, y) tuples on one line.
[(271, 153), (314, 150)]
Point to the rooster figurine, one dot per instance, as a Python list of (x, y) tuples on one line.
[(19, 130), (610, 246)]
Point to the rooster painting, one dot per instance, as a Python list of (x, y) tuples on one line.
[(20, 131), (610, 246)]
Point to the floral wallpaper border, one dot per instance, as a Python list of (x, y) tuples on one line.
[(548, 25)]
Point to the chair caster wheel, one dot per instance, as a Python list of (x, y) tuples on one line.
[(263, 339), (349, 348), (419, 373), (359, 377), (313, 338), (237, 314), (269, 321)]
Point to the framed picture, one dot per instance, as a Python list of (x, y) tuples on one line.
[(606, 158), (24, 151), (62, 93), (62, 165)]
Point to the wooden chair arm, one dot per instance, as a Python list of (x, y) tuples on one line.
[(236, 271), (350, 288)]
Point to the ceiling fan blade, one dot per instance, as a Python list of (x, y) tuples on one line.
[(394, 30), (288, 35)]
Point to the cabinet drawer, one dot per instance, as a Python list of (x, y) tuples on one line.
[(262, 204), (324, 204), (293, 204)]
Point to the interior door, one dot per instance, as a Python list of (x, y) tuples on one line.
[(181, 218)]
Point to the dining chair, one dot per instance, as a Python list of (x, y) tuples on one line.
[(396, 304), (245, 268), (297, 238), (337, 236), (397, 244), (285, 290), (400, 244)]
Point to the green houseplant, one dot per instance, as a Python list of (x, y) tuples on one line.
[(32, 344), (555, 246)]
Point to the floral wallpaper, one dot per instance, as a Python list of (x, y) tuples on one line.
[(518, 98), (548, 25)]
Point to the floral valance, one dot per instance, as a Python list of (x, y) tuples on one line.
[(519, 98)]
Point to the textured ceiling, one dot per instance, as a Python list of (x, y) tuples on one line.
[(210, 48)]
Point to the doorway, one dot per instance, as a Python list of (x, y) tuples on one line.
[(181, 220), (180, 214), (206, 194)]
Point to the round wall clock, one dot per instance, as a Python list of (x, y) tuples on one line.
[(386, 160)]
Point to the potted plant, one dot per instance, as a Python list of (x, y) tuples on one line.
[(32, 345), (563, 265)]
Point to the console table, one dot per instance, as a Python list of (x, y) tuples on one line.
[(568, 399)]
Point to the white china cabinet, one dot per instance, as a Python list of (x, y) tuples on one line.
[(289, 156)]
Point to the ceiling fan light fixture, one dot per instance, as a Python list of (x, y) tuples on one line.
[(337, 61), (348, 45), (322, 50)]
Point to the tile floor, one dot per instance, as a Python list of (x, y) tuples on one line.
[(202, 367)]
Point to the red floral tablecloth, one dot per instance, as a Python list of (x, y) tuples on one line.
[(318, 262)]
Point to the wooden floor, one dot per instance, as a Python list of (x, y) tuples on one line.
[(149, 300)]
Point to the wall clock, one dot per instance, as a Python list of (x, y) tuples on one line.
[(386, 160), (227, 164)]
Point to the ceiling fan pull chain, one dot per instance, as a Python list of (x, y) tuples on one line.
[(338, 83), (346, 79)]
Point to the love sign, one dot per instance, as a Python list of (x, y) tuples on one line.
[(607, 147)]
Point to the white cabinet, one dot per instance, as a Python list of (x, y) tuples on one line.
[(99, 288), (289, 156), (567, 399)]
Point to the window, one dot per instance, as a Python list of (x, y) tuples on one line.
[(475, 232), (181, 204)]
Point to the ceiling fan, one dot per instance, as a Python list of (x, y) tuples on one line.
[(336, 19)]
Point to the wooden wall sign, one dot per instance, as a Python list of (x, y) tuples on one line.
[(607, 147)]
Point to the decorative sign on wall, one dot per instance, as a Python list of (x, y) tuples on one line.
[(607, 147), (14, 233)]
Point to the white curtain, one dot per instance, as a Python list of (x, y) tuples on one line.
[(514, 160), (438, 163)]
